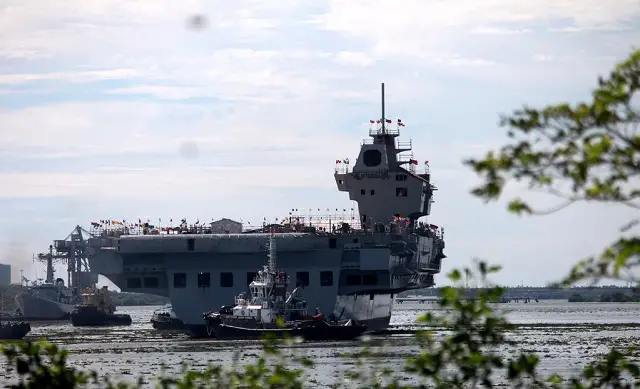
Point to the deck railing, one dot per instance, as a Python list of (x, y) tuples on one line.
[(346, 221)]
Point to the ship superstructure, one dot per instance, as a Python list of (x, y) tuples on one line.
[(350, 263), (52, 299)]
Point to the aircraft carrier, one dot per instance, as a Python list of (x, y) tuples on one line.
[(351, 262)]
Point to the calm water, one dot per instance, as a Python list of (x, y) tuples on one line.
[(543, 312), (565, 334)]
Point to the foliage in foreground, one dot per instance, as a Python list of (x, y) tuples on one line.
[(591, 145), (588, 151)]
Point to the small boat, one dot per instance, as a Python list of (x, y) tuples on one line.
[(97, 310), (166, 319), (14, 331), (255, 316)]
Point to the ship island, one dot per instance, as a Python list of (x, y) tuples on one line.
[(350, 263)]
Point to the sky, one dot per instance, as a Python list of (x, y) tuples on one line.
[(127, 109)]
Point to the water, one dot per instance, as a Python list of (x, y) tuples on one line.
[(566, 336), (549, 312)]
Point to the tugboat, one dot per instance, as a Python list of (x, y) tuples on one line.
[(255, 316), (97, 310), (14, 331), (165, 319)]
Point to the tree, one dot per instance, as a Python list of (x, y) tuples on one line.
[(593, 146)]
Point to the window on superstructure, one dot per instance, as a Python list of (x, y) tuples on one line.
[(134, 283), (326, 278), (401, 192), (151, 282), (401, 177), (363, 192), (353, 279), (372, 192), (226, 280), (370, 279), (302, 278), (191, 244), (179, 280), (250, 276), (204, 280)]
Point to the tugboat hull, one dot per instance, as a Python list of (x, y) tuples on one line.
[(14, 331), (313, 330), (95, 318), (229, 332)]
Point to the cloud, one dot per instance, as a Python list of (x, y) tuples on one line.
[(112, 74), (164, 92), (500, 31), (502, 34), (132, 183), (353, 58), (391, 20), (126, 107)]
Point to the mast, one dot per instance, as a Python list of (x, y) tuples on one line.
[(50, 265), (272, 253), (384, 121)]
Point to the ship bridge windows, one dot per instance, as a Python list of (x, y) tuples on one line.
[(151, 282), (204, 280), (302, 278), (134, 283), (326, 278), (226, 280), (257, 292), (401, 192), (179, 280), (401, 177)]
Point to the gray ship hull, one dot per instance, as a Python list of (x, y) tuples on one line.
[(39, 308), (372, 310), (350, 283)]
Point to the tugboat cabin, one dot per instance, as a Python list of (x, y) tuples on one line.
[(269, 299)]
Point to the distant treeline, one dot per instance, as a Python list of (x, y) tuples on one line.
[(542, 293), (606, 298)]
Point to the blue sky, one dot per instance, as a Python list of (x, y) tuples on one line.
[(101, 101)]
